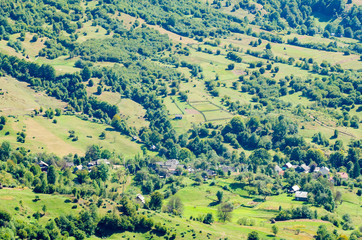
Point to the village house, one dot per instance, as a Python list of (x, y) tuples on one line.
[(288, 165), (43, 166), (302, 168), (140, 198), (170, 165), (78, 168), (227, 169), (279, 170), (294, 189), (342, 175), (98, 162), (322, 171), (301, 196)]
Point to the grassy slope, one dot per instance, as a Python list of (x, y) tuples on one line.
[(18, 98), (42, 135), (55, 205)]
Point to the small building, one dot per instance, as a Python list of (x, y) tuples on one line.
[(295, 188), (178, 117), (43, 166), (342, 175), (210, 173), (100, 161), (289, 165), (140, 198), (68, 165), (301, 196), (227, 169), (78, 168), (324, 171), (153, 148), (170, 165), (279, 170), (303, 168)]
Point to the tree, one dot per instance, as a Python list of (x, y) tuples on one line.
[(44, 208), (253, 236), (5, 217), (103, 172), (231, 66), (275, 229), (175, 206), (93, 153), (208, 219), (156, 201), (356, 170), (99, 90), (224, 212), (219, 196), (82, 176), (51, 175), (268, 46), (86, 74)]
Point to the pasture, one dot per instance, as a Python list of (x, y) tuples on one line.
[(44, 135)]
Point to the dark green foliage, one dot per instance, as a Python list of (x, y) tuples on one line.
[(253, 235), (51, 175), (208, 219), (219, 196), (295, 213), (224, 212), (156, 201), (5, 218), (174, 206), (135, 45)]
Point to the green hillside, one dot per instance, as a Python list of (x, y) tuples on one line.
[(189, 119)]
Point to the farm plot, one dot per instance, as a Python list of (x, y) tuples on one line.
[(210, 111)]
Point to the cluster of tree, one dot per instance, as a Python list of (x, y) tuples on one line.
[(68, 87), (296, 213), (3, 121), (182, 17), (130, 46), (340, 90), (299, 15)]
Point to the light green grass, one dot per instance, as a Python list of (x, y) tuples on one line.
[(43, 135), (18, 98)]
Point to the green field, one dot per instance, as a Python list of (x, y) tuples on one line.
[(44, 135)]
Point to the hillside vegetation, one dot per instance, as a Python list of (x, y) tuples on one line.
[(161, 119)]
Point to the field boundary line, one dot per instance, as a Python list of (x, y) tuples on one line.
[(174, 101), (198, 111)]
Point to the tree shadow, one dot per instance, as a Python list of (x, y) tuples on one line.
[(258, 200), (108, 129), (212, 204), (234, 186)]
